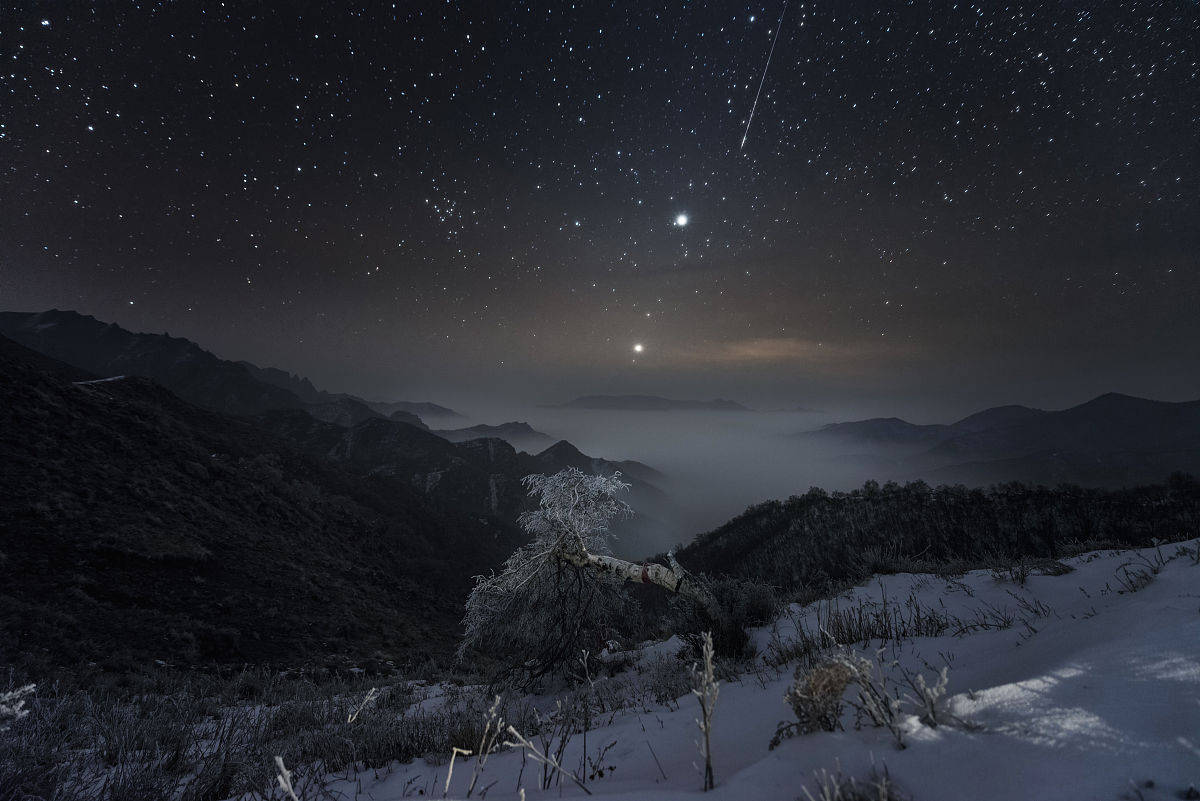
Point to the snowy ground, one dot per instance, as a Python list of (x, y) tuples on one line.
[(1092, 693)]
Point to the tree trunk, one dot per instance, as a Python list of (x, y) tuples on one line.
[(674, 579)]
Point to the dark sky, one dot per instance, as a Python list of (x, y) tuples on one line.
[(949, 204)]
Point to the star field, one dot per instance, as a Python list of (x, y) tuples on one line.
[(430, 190)]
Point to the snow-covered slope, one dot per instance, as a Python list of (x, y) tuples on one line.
[(1093, 692)]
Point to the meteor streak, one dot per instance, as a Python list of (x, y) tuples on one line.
[(763, 80)]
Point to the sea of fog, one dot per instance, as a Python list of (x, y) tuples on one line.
[(716, 463)]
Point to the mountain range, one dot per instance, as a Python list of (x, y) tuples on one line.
[(302, 388), (478, 476), (238, 388), (136, 526), (178, 364), (379, 436), (1111, 440), (192, 373), (160, 502), (148, 461), (520, 435)]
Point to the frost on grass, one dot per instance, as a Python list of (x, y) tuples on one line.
[(817, 697), (837, 787), (12, 705), (705, 687)]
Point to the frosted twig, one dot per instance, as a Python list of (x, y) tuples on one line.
[(455, 751), (543, 759), (371, 695), (285, 779), (706, 690)]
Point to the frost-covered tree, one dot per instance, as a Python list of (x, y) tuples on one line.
[(564, 587)]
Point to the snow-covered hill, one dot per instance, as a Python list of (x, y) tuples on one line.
[(1084, 685)]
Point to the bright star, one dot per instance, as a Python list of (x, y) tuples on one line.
[(681, 220), (638, 348)]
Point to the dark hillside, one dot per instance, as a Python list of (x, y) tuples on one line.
[(477, 477), (480, 477), (181, 365), (820, 540), (135, 526)]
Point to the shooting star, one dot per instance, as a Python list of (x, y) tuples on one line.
[(763, 80)]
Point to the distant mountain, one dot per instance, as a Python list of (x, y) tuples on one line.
[(481, 477), (1109, 423), (106, 349), (302, 388), (135, 526), (650, 403), (994, 418), (1112, 440), (894, 431), (424, 410), (407, 417), (197, 376), (563, 454), (520, 435), (882, 431), (477, 476), (299, 386)]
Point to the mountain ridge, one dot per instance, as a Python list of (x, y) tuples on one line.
[(1110, 440), (186, 368), (304, 389), (520, 435), (482, 475), (137, 526)]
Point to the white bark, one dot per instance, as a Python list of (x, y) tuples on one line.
[(673, 579)]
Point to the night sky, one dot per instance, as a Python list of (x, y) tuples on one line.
[(950, 204)]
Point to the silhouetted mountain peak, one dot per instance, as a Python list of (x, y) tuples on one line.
[(295, 383), (423, 409), (881, 430), (518, 434), (996, 416), (401, 416), (1117, 401), (563, 451)]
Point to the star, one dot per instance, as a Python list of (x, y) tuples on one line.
[(681, 220), (639, 347)]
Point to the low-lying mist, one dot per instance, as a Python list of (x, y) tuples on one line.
[(716, 463)]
